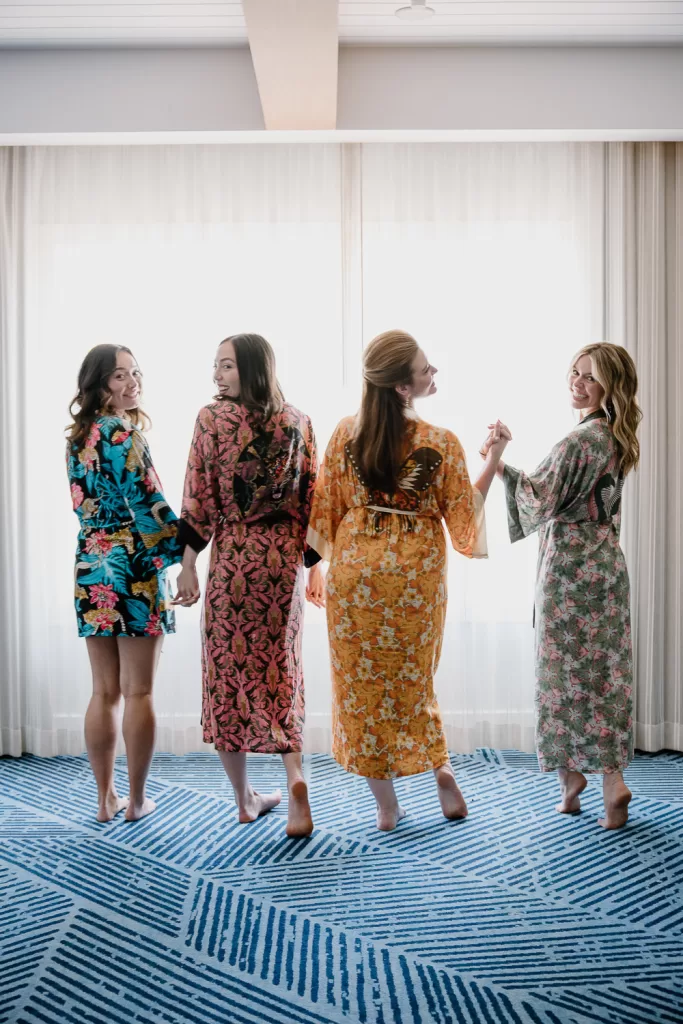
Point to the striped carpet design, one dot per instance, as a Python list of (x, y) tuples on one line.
[(516, 915)]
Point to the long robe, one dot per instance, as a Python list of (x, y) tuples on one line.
[(386, 597), (248, 487), (583, 631)]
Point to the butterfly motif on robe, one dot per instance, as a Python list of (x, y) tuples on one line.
[(416, 475)]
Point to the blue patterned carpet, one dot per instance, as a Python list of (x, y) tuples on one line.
[(516, 915)]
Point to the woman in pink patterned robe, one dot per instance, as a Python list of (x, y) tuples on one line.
[(249, 484)]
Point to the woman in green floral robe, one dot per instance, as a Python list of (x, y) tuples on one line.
[(584, 673)]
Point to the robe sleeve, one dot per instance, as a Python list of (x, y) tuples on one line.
[(125, 458), (534, 499), (311, 556), (199, 515), (461, 504), (328, 507)]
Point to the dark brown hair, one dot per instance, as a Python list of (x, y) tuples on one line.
[(382, 430), (92, 395), (260, 391)]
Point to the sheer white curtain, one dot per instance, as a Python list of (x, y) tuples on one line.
[(13, 607), (644, 305), (492, 255), (166, 250)]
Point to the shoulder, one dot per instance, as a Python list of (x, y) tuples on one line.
[(210, 414), (345, 428), (113, 429), (291, 415), (444, 440), (581, 438)]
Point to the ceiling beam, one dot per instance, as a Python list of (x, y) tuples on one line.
[(294, 46)]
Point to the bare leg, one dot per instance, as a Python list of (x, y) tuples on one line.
[(101, 723), (139, 657), (572, 785), (451, 799), (250, 804), (299, 818), (617, 797), (389, 811)]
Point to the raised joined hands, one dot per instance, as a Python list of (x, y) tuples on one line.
[(497, 440)]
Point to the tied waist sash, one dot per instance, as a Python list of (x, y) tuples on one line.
[(408, 516)]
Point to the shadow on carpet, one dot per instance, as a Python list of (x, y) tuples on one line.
[(516, 915)]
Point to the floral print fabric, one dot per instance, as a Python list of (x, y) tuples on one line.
[(386, 597), (583, 631), (249, 486), (127, 538)]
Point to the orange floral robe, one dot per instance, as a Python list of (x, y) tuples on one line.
[(386, 597)]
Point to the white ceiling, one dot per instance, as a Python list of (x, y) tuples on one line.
[(361, 22)]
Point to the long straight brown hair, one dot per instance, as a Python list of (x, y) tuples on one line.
[(382, 429), (260, 391), (615, 371)]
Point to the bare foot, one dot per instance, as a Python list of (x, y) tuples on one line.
[(617, 797), (112, 806), (451, 799), (299, 818), (258, 804), (136, 811), (572, 785), (387, 820)]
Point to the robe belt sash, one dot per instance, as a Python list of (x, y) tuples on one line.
[(381, 510)]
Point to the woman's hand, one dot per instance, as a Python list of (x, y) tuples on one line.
[(497, 440), (315, 586), (187, 586)]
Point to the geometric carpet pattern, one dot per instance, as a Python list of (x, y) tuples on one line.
[(515, 915)]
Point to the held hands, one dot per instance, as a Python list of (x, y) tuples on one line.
[(496, 442), (315, 587), (188, 587)]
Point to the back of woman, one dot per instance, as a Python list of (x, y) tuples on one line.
[(244, 469), (387, 481), (584, 674), (248, 486)]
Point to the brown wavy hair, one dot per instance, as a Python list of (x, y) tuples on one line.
[(91, 397), (615, 372), (382, 430), (260, 391)]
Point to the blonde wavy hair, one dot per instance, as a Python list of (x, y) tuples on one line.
[(615, 372)]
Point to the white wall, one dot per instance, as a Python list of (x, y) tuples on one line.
[(511, 87), (61, 90), (636, 89)]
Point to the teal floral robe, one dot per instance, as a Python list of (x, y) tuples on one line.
[(128, 534), (583, 633)]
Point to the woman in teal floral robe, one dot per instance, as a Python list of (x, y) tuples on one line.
[(128, 534), (128, 538), (584, 672)]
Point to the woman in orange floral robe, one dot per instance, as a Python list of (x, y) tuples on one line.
[(386, 586)]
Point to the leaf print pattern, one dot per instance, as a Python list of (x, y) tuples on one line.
[(249, 487), (127, 538), (386, 597), (583, 631)]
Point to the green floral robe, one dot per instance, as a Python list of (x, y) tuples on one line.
[(583, 633)]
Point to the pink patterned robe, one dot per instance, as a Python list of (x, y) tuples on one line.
[(249, 487)]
